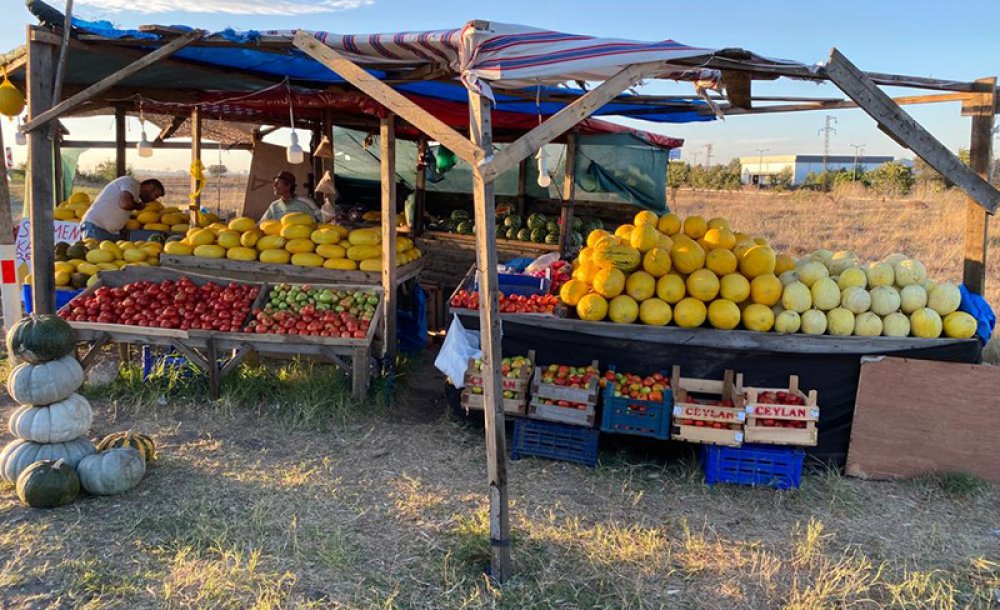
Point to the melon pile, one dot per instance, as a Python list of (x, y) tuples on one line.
[(696, 272), (296, 239)]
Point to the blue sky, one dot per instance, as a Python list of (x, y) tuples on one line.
[(919, 37)]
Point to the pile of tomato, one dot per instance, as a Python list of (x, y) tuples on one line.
[(514, 303)]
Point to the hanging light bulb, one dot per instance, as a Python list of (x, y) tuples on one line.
[(544, 179), (295, 153), (144, 147), (19, 138)]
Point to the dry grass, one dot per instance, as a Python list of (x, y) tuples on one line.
[(248, 509), (930, 228)]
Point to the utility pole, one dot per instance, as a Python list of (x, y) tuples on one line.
[(708, 155), (760, 167), (826, 131), (857, 148), (694, 159)]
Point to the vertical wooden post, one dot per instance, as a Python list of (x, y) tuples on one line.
[(195, 204), (120, 145), (63, 53), (481, 130), (522, 186), (977, 221), (387, 153), (421, 185), (569, 195), (10, 299), (40, 65), (57, 172)]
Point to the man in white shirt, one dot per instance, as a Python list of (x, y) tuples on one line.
[(114, 205)]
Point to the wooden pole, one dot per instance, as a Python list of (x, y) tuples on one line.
[(195, 205), (387, 153), (421, 187), (57, 172), (10, 297), (6, 216), (120, 143), (522, 185), (569, 193), (977, 221), (63, 52), (43, 295), (481, 130)]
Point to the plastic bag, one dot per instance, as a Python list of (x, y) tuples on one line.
[(978, 308), (543, 262), (460, 345)]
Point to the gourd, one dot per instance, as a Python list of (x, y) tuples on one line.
[(48, 484), (59, 422), (19, 454), (45, 383), (137, 440), (111, 472), (41, 338)]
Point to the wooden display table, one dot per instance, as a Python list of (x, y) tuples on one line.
[(201, 347), (256, 271)]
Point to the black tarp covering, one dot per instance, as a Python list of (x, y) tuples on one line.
[(833, 375)]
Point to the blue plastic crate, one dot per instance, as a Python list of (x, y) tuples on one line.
[(624, 415), (523, 285), (756, 465), (554, 441), (62, 297)]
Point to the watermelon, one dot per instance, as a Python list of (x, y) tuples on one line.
[(511, 233), (524, 234), (513, 221), (465, 228), (537, 221), (552, 239), (551, 227), (576, 239), (459, 215), (538, 236), (577, 224), (156, 238)]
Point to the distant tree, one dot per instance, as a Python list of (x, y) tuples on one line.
[(217, 170), (677, 174), (891, 179), (782, 181), (104, 172)]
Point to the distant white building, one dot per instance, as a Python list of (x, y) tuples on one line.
[(753, 169)]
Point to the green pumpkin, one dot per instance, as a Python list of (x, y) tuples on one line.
[(18, 455), (37, 339), (137, 440), (48, 484)]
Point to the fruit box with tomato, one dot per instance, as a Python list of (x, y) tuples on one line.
[(782, 416), (565, 394), (636, 405), (708, 411), (516, 372)]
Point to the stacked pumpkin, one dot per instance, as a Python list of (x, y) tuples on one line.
[(52, 457), (296, 239)]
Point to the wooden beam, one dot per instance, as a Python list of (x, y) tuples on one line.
[(977, 221), (569, 195), (565, 119), (891, 117), (390, 98), (481, 129), (112, 80), (161, 146), (121, 166), (63, 50), (838, 104), (57, 169), (40, 192), (194, 206), (420, 183), (737, 88), (522, 185), (387, 155), (6, 217), (170, 129)]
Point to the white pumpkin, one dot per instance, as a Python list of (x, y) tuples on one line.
[(20, 454), (111, 472), (45, 383), (59, 422)]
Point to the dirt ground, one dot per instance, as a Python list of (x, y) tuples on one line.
[(386, 508)]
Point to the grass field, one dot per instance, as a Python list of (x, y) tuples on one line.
[(286, 494)]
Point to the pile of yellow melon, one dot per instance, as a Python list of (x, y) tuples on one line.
[(296, 239), (73, 208), (171, 219), (694, 272), (76, 265)]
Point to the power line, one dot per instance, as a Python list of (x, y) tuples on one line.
[(708, 155), (826, 130)]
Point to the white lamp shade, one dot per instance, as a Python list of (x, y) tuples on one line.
[(295, 154), (544, 180), (19, 138), (144, 147)]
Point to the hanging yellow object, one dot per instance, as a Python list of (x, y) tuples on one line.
[(11, 100), (198, 174)]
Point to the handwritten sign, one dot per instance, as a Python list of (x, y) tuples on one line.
[(68, 232)]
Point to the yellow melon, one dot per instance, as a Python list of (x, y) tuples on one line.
[(200, 237), (690, 313), (177, 248), (228, 239), (669, 224), (364, 237), (719, 222), (609, 282), (300, 245), (670, 288), (687, 256), (695, 226), (242, 224), (926, 323), (702, 285), (623, 309), (329, 236), (624, 230), (180, 227), (758, 260), (592, 307), (146, 218), (331, 251), (271, 242), (625, 258), (99, 256), (758, 317), (645, 237), (308, 259), (656, 262), (734, 287), (645, 217), (783, 263), (134, 255), (765, 289), (241, 253), (174, 218), (640, 286), (959, 325), (655, 312), (720, 237), (132, 224), (276, 257), (250, 238), (572, 291), (62, 278), (595, 236), (341, 264), (298, 218), (360, 253), (156, 226), (370, 264), (344, 231), (723, 314), (210, 251), (721, 262), (296, 231), (271, 227), (586, 272)]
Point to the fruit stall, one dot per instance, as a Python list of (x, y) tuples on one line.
[(201, 318), (666, 291)]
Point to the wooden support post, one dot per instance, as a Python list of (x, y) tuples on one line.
[(109, 82), (977, 220), (491, 332), (10, 297), (63, 53), (907, 132), (120, 143), (522, 186), (57, 170), (41, 194), (569, 193), (195, 205), (421, 188), (387, 153)]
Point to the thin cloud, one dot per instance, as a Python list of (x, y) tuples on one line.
[(231, 7)]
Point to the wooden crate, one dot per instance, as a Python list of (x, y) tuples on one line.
[(587, 396), (686, 410), (757, 413), (517, 384)]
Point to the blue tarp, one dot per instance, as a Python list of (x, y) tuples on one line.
[(978, 308)]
